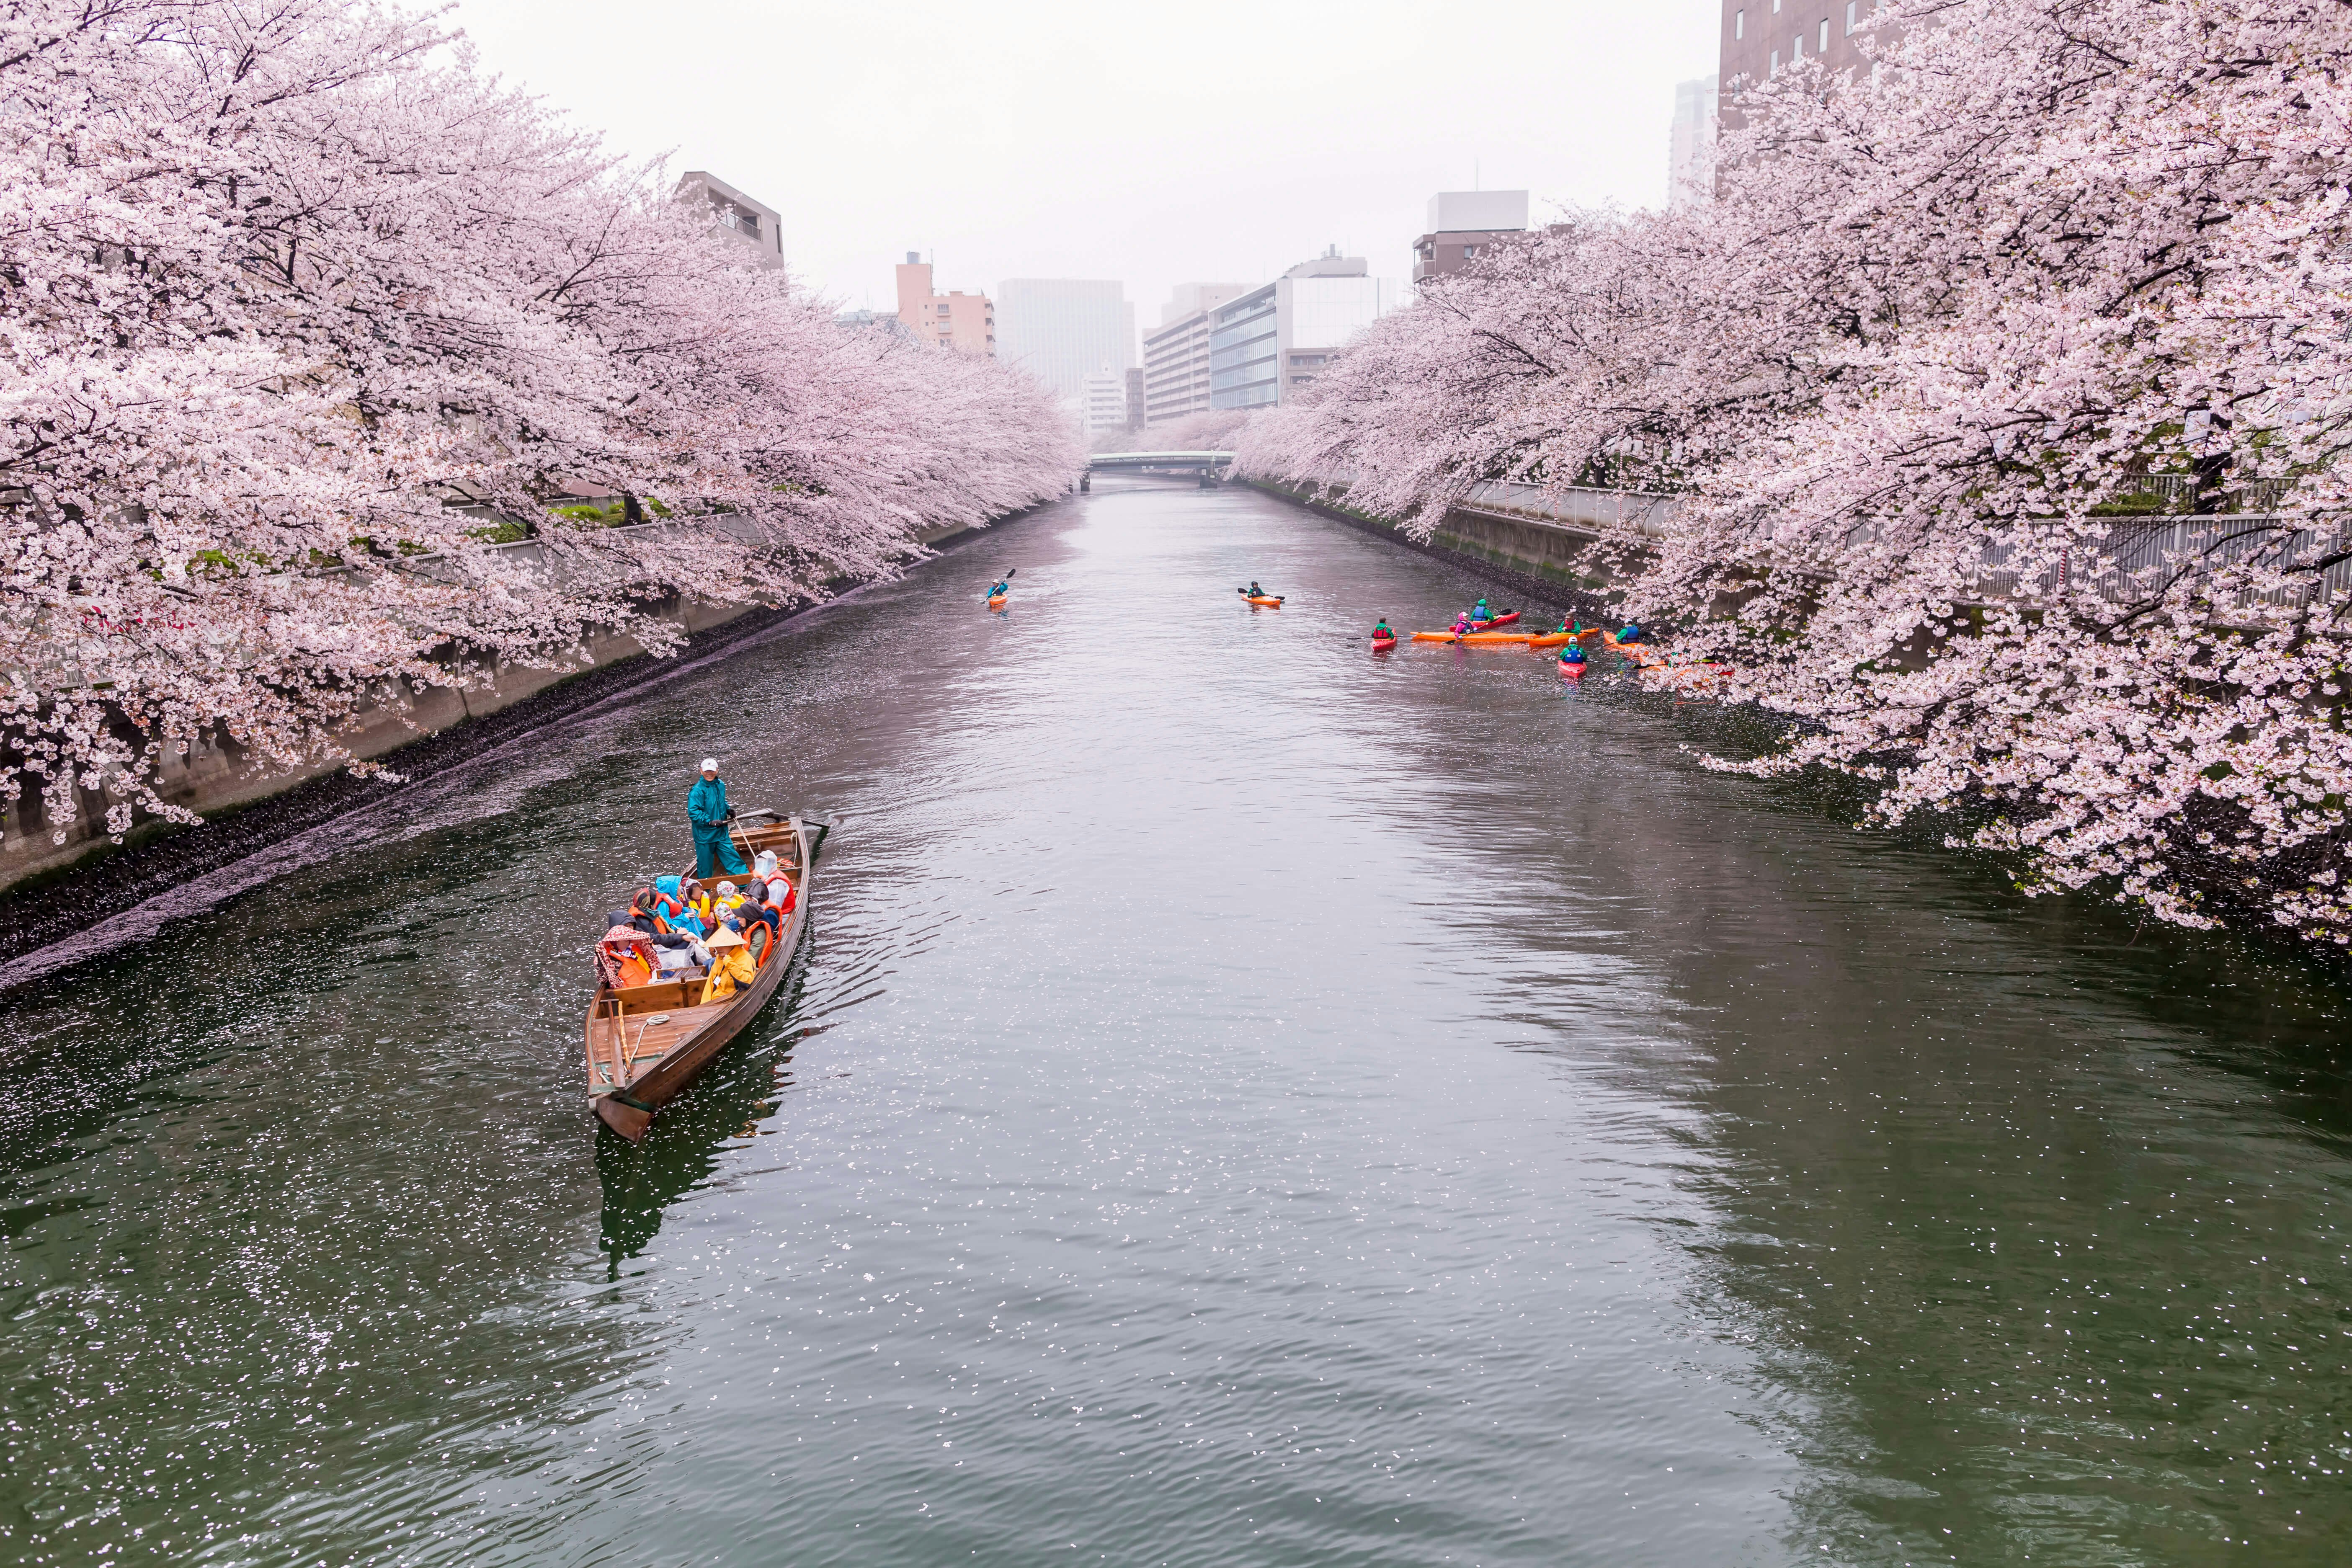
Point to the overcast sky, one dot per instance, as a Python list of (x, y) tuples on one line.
[(1150, 143)]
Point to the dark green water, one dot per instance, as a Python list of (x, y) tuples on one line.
[(1246, 1102)]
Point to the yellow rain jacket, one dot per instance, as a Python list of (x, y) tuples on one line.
[(730, 967)]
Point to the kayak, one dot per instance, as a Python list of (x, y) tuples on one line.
[(997, 603), (1573, 671), (1476, 639), (1504, 619), (1270, 600), (1383, 644), (1549, 639), (1638, 653)]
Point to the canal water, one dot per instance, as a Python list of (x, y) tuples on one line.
[(1246, 1102)]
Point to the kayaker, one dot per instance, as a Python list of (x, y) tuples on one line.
[(731, 965), (1572, 654), (1630, 633), (1002, 588), (1382, 633), (1257, 592), (1461, 623), (707, 810), (1479, 612)]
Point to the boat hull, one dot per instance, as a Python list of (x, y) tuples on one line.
[(1264, 602), (1383, 644)]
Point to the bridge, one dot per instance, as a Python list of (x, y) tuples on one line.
[(1209, 466)]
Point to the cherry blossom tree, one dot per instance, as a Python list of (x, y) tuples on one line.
[(2004, 385), (281, 281)]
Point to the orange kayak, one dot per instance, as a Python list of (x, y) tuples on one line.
[(997, 603), (1550, 640), (1480, 639), (1270, 601)]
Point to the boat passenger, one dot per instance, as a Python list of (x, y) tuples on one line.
[(780, 895), (707, 810), (1630, 633), (1479, 612), (1461, 623), (644, 914), (1380, 633), (731, 965), (1572, 654), (761, 909)]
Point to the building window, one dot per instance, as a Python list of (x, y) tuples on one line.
[(1740, 23), (1776, 7), (1796, 49), (1825, 37), (1850, 7), (1776, 62)]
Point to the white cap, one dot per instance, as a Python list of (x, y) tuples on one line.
[(711, 764)]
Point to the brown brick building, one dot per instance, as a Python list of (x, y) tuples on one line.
[(1761, 36)]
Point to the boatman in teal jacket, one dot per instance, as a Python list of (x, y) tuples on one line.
[(707, 809)]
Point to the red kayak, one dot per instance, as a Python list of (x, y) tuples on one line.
[(1573, 671), (1497, 621), (1383, 644)]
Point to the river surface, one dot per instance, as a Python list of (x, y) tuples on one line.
[(1246, 1102)]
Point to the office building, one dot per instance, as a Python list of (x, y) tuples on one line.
[(1102, 400), (1176, 352), (1690, 158), (735, 216), (1761, 36), (1462, 225), (1135, 407), (1064, 330), (1275, 340), (953, 321)]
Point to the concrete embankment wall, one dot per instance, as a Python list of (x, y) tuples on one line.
[(217, 776), (1529, 556)]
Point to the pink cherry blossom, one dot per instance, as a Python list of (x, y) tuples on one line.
[(277, 282), (1947, 319)]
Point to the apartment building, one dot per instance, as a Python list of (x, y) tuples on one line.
[(1275, 340), (953, 321), (1462, 226), (1176, 352), (735, 216), (1102, 400), (1760, 36)]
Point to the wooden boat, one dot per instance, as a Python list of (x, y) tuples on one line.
[(646, 1042)]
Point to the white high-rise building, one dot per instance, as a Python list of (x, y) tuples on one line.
[(1063, 330), (1279, 337), (1690, 166), (1102, 401)]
